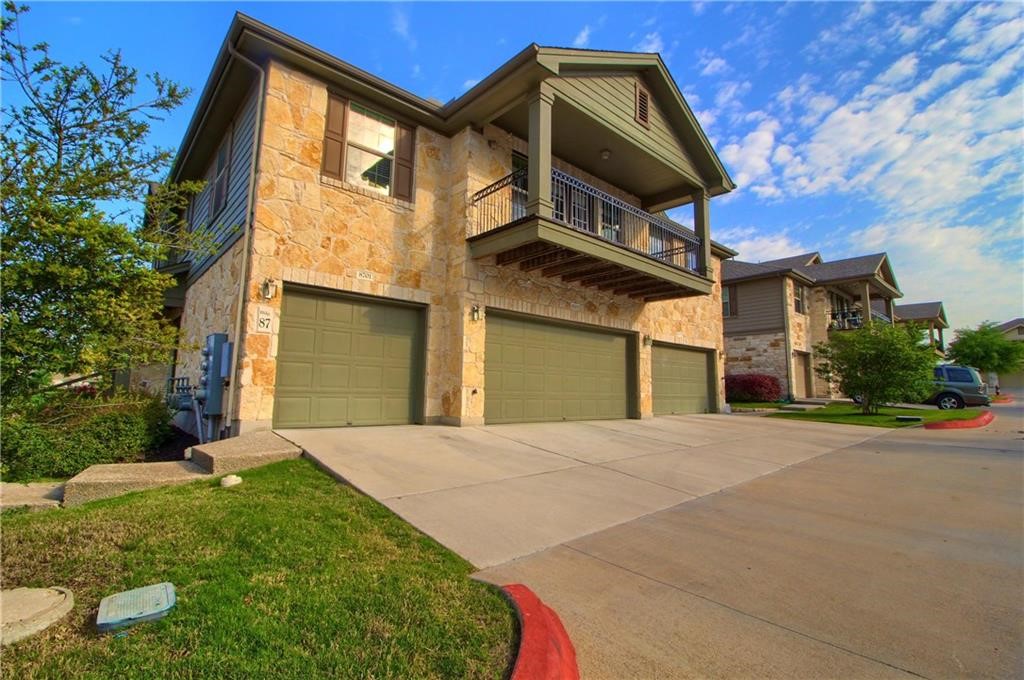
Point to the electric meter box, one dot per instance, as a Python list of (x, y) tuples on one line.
[(213, 371)]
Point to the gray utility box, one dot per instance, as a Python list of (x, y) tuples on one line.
[(213, 371)]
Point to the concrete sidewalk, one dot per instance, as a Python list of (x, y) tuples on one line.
[(496, 493)]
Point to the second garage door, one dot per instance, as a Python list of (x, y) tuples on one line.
[(680, 378), (347, 361), (540, 371)]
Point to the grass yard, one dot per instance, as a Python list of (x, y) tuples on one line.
[(288, 575), (849, 414)]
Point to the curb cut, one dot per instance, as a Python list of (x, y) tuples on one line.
[(545, 650), (981, 421)]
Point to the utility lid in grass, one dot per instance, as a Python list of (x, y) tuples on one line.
[(135, 606)]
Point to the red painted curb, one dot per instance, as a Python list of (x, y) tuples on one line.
[(981, 421), (545, 650), (1004, 399)]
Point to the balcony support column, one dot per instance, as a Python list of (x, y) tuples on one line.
[(890, 309), (865, 303), (931, 333), (702, 227), (538, 196)]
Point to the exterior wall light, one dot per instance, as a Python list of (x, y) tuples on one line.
[(606, 154), (474, 312), (648, 341), (268, 289)]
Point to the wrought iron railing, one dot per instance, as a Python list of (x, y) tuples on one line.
[(846, 319), (587, 209), (879, 316)]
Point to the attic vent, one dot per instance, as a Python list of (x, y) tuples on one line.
[(643, 105)]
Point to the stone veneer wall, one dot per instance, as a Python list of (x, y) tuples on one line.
[(758, 353), (320, 232), (819, 320)]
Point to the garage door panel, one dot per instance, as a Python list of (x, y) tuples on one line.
[(537, 371), (348, 362), (680, 380)]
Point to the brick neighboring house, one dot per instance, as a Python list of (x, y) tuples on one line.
[(929, 314), (775, 312), (503, 257)]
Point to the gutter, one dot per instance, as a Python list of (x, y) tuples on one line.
[(257, 136), (786, 342)]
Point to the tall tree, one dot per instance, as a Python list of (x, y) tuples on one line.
[(986, 349), (77, 290), (879, 363)]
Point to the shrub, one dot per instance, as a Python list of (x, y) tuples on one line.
[(64, 433), (752, 387)]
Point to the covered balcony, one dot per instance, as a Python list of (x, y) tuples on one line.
[(590, 237)]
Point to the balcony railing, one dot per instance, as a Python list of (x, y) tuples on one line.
[(846, 319), (879, 316), (587, 209)]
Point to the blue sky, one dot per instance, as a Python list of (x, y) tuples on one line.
[(850, 127)]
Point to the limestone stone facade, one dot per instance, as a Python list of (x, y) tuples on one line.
[(758, 353), (315, 231)]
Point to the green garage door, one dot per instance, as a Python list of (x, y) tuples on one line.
[(537, 371), (347, 361), (680, 379)]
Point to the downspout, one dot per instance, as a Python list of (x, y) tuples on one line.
[(257, 135)]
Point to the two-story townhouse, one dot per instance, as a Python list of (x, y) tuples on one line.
[(775, 312), (504, 257), (1013, 330)]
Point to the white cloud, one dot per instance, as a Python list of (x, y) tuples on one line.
[(901, 71), (749, 160), (754, 245), (470, 83), (698, 7), (710, 64), (730, 92), (582, 38), (651, 42), (400, 25)]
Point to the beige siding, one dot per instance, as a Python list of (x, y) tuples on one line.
[(760, 307), (611, 97)]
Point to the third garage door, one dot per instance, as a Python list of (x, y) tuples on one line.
[(538, 370), (680, 378)]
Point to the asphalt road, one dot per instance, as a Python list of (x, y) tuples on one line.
[(900, 556)]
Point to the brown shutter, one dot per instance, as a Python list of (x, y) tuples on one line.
[(334, 138), (734, 309), (405, 158)]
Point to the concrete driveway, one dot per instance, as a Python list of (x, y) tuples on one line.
[(496, 493)]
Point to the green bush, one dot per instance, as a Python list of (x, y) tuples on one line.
[(61, 434)]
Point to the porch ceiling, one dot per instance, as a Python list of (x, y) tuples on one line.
[(553, 250), (578, 138)]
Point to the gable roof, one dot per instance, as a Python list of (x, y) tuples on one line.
[(1012, 323), (921, 311), (804, 260), (874, 266), (510, 82), (734, 271)]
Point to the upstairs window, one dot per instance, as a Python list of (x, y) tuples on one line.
[(643, 105), (219, 176), (368, 149), (799, 298), (729, 307)]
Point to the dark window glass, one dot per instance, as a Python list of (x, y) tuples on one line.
[(960, 375)]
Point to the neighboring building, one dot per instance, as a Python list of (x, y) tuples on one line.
[(928, 314), (1014, 330), (503, 257), (775, 312)]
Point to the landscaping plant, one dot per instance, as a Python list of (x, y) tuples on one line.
[(880, 363), (78, 293), (986, 349), (752, 387)]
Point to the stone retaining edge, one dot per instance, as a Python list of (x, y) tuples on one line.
[(980, 421), (545, 650)]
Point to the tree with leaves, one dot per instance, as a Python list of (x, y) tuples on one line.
[(986, 349), (78, 293), (879, 364)]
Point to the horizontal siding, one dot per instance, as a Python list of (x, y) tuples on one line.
[(612, 97), (228, 225), (760, 307)]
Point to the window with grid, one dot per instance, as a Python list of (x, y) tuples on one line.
[(368, 149), (728, 300), (219, 177), (799, 294)]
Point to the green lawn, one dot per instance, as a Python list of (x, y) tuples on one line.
[(849, 414), (289, 575)]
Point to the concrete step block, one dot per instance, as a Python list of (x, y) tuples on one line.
[(242, 452), (107, 481)]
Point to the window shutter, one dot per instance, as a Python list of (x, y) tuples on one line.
[(734, 308), (334, 138), (405, 157)]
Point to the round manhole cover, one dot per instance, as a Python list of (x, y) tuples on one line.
[(27, 611)]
